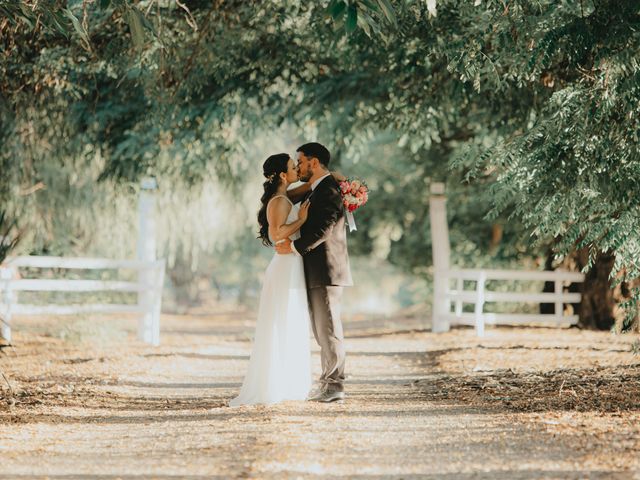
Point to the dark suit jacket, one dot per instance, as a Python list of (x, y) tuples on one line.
[(323, 238)]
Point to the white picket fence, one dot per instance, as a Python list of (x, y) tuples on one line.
[(480, 295), (444, 296), (150, 278)]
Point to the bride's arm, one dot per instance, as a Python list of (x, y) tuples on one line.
[(296, 194), (277, 216)]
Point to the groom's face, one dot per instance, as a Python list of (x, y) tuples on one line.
[(304, 167)]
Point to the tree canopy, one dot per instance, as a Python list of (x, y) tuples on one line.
[(528, 110)]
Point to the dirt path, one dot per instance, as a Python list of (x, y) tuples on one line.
[(520, 403)]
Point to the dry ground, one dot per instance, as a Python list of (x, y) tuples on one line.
[(519, 403)]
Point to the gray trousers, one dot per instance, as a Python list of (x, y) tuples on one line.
[(324, 306)]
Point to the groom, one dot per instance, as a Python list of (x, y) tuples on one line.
[(323, 246)]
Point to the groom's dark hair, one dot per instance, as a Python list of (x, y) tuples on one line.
[(316, 150)]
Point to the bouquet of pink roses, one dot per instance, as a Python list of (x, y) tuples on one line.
[(355, 194)]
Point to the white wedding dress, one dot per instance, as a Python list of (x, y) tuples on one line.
[(280, 364)]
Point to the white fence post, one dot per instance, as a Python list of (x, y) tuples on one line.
[(6, 274), (157, 303), (558, 311), (459, 290), (440, 251), (148, 323), (479, 307)]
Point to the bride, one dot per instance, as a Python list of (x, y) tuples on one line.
[(280, 363)]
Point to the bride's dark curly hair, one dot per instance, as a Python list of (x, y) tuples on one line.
[(271, 169)]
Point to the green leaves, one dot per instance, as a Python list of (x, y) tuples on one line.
[(337, 8), (387, 10), (137, 23), (352, 19), (49, 16), (369, 15), (65, 21), (80, 30)]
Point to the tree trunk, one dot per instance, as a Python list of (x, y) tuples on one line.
[(600, 306), (183, 284), (549, 287)]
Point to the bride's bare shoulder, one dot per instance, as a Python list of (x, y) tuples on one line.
[(279, 203), (280, 200)]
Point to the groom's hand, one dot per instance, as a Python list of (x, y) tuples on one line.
[(284, 247)]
